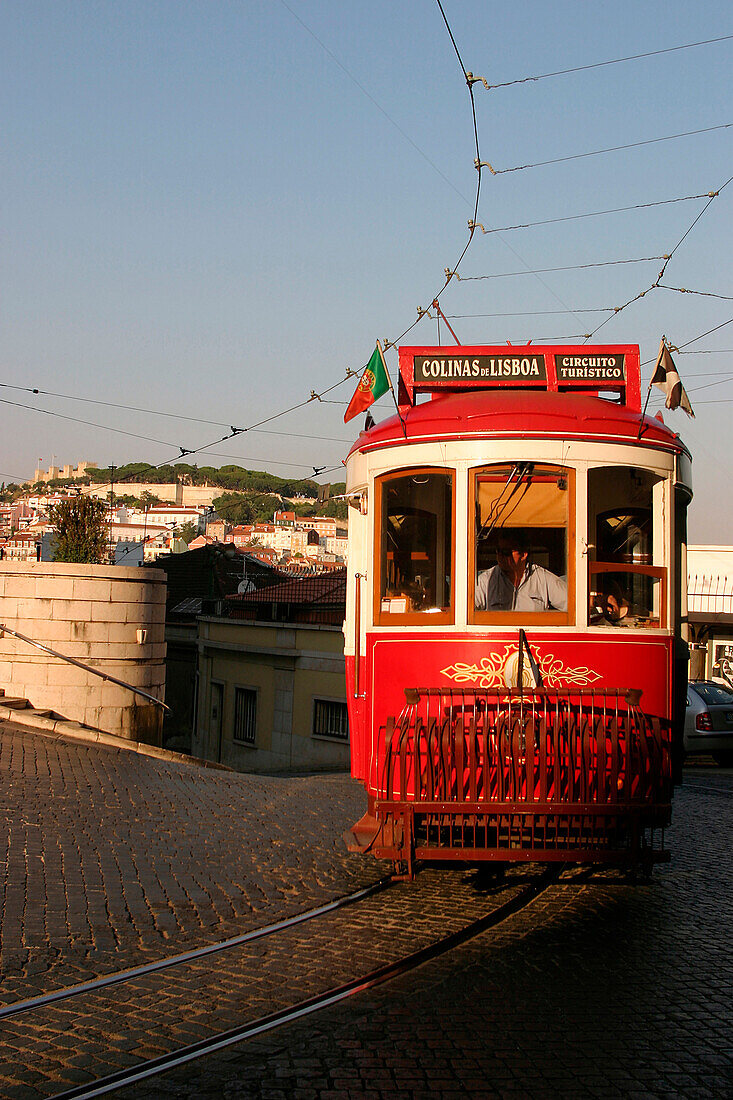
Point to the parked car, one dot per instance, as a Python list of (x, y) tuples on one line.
[(709, 721)]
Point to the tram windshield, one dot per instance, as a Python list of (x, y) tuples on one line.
[(627, 576), (416, 545), (523, 517)]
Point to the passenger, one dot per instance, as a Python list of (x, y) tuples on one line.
[(616, 606), (611, 607), (516, 583)]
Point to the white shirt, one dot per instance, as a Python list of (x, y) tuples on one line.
[(539, 590)]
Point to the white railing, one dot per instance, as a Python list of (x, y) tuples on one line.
[(710, 593)]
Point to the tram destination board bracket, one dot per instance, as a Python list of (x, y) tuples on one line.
[(556, 368)]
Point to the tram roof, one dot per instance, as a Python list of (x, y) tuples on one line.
[(520, 414)]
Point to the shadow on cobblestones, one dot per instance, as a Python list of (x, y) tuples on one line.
[(601, 988), (111, 859)]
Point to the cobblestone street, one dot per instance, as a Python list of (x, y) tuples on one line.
[(601, 987)]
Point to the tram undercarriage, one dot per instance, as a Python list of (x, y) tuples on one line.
[(575, 775)]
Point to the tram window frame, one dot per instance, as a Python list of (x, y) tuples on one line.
[(644, 558), (427, 618), (644, 622), (478, 617)]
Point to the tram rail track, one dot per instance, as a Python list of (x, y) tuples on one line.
[(335, 995), (708, 788), (54, 996)]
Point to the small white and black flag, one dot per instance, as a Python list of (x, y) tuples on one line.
[(667, 379)]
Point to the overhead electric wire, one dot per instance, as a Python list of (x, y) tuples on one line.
[(529, 313), (159, 412), (470, 80), (16, 480), (546, 270), (373, 101), (713, 195), (473, 224), (713, 400), (709, 385), (602, 64), (449, 272), (708, 332), (184, 452), (701, 293), (599, 152), (599, 213), (680, 349), (87, 423), (660, 276), (707, 351), (150, 439)]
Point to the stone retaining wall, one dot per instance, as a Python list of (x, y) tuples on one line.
[(109, 617)]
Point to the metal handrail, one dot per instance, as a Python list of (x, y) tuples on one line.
[(80, 664)]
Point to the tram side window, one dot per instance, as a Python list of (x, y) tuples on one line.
[(416, 541), (523, 517), (626, 584)]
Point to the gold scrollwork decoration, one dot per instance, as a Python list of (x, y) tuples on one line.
[(498, 670)]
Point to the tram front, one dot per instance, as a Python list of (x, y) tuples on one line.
[(515, 596)]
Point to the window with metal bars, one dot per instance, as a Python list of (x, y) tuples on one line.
[(330, 719), (245, 715)]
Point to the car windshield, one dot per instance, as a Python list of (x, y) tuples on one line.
[(713, 693)]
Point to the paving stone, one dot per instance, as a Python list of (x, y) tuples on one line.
[(602, 987)]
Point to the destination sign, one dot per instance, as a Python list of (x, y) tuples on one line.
[(481, 368), (590, 368)]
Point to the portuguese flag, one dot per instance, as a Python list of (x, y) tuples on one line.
[(373, 384)]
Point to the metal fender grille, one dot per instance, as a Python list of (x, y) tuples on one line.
[(572, 774)]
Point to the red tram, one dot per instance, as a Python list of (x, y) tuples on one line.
[(516, 593)]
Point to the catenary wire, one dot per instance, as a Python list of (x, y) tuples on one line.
[(599, 152), (546, 270), (185, 452), (701, 293), (373, 101), (660, 276), (602, 64), (599, 213), (681, 347), (335, 59), (159, 412), (529, 313), (406, 136), (472, 222), (146, 438)]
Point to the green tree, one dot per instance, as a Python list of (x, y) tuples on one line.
[(81, 530), (235, 508), (187, 532)]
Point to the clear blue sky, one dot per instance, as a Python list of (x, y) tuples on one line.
[(212, 208)]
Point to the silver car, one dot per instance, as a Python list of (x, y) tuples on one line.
[(709, 721)]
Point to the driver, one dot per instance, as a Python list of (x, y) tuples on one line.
[(517, 584)]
